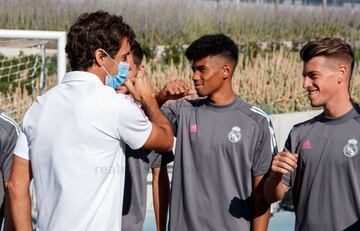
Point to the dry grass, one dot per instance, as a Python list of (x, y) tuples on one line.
[(272, 81), (163, 22), (18, 100)]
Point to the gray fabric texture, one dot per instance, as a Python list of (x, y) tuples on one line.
[(9, 132), (138, 164), (219, 149), (326, 184)]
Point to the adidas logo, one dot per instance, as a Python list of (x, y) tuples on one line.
[(306, 145), (193, 128)]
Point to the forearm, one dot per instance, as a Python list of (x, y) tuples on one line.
[(156, 200), (161, 191), (8, 220), (154, 113), (160, 98), (261, 223), (274, 188), (261, 210), (157, 117), (20, 207)]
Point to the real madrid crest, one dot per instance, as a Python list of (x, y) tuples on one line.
[(351, 148), (234, 135)]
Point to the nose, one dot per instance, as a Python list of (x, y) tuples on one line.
[(306, 82), (196, 76)]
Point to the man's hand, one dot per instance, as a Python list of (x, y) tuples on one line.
[(140, 88), (284, 163), (123, 89), (161, 137), (173, 90)]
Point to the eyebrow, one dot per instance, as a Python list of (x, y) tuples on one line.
[(310, 73), (198, 67)]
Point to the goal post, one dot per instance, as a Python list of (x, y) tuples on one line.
[(60, 36), (31, 62)]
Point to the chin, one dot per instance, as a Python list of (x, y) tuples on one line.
[(200, 94), (316, 104)]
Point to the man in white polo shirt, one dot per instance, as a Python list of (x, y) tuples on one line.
[(74, 135)]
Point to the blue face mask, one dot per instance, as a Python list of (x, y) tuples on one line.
[(115, 81)]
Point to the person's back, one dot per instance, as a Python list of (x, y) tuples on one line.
[(74, 135), (85, 153)]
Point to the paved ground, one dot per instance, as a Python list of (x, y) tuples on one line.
[(14, 47), (280, 221)]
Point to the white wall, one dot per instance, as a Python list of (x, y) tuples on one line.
[(284, 122)]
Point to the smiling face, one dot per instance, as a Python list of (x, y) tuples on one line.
[(321, 80), (209, 74)]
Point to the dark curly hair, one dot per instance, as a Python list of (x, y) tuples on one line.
[(212, 45), (329, 47), (137, 53), (92, 31)]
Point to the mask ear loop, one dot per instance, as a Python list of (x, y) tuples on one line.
[(110, 59), (105, 71)]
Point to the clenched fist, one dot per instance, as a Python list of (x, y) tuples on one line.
[(284, 162), (140, 88), (173, 90)]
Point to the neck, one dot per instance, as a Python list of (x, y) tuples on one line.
[(223, 97), (99, 72), (339, 106)]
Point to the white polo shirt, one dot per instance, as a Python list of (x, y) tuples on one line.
[(74, 136)]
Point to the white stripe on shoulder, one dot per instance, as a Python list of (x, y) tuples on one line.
[(259, 111), (5, 117), (273, 142)]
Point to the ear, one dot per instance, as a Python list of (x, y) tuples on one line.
[(226, 71), (342, 73), (100, 57), (142, 68), (141, 72)]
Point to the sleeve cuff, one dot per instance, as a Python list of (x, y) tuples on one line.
[(22, 148)]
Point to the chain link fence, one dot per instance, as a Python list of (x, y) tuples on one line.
[(27, 69)]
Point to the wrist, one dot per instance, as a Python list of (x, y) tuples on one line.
[(149, 101), (160, 98), (276, 176)]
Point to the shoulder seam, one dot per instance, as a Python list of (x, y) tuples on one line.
[(6, 118), (257, 110)]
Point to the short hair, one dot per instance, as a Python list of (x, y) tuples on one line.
[(137, 53), (329, 47), (213, 45), (92, 31)]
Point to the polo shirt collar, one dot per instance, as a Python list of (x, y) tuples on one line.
[(81, 76)]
